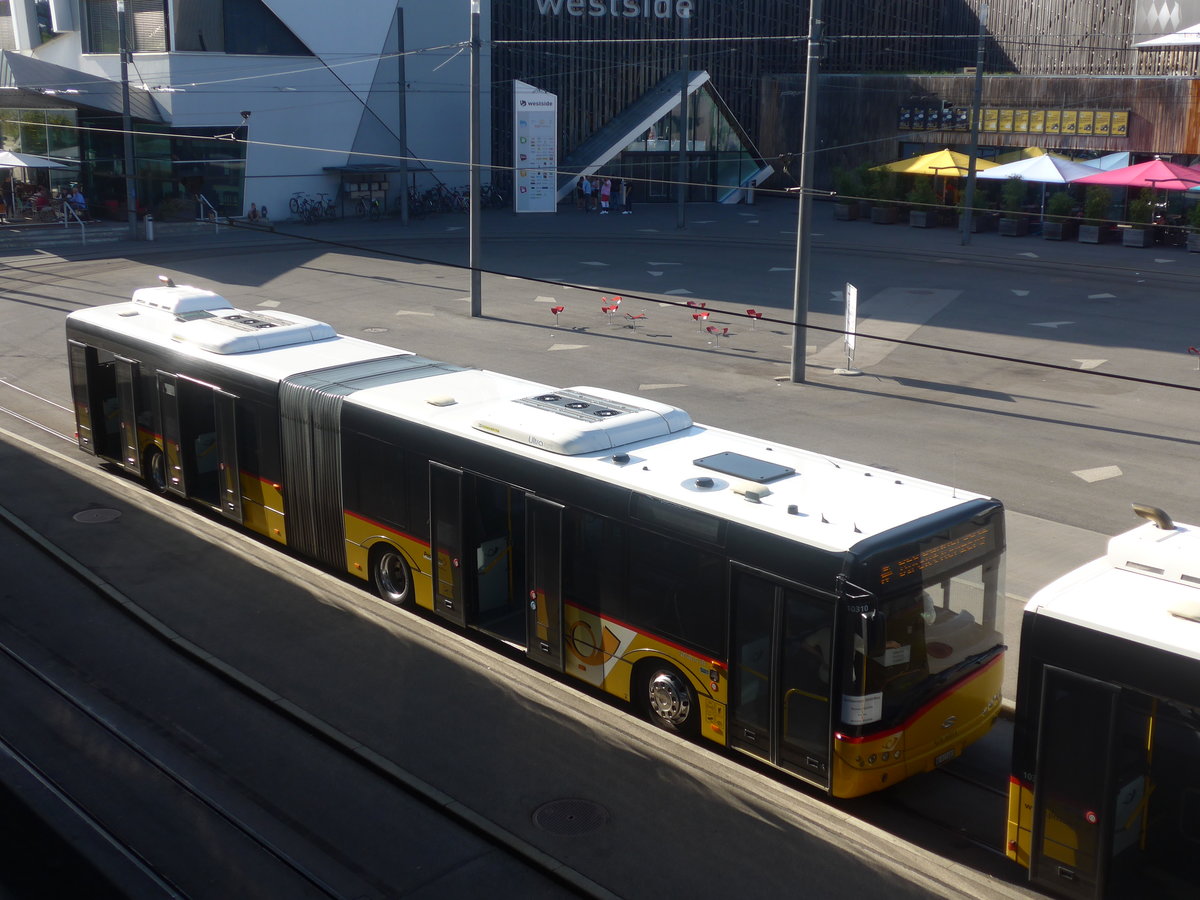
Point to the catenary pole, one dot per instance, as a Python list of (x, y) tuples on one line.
[(800, 285), (127, 123), (681, 169), (976, 102), (475, 205)]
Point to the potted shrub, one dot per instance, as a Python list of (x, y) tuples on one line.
[(848, 185), (1014, 223), (1140, 211), (1095, 211), (882, 190), (1059, 225), (1193, 238), (922, 197)]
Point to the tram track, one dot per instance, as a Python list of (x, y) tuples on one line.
[(200, 819)]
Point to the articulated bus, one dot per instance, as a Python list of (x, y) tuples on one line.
[(1104, 798), (838, 622)]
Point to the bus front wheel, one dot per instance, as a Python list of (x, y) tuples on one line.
[(666, 698), (156, 469), (391, 575)]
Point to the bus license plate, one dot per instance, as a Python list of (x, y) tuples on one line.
[(944, 757)]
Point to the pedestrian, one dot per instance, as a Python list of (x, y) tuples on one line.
[(626, 199), (253, 214), (595, 191), (586, 189), (579, 198), (605, 196)]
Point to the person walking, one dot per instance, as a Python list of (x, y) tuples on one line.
[(579, 198), (586, 188), (626, 199), (605, 196)]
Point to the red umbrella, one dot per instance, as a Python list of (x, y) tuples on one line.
[(1154, 174)]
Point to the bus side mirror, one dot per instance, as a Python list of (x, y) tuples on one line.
[(874, 633)]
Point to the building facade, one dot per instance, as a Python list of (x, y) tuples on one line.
[(256, 100)]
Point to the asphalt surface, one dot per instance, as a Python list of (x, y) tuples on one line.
[(1039, 550)]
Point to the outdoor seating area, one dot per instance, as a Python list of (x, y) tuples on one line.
[(1154, 202)]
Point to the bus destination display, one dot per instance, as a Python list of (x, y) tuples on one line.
[(941, 557)]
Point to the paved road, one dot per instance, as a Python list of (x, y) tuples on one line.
[(941, 419)]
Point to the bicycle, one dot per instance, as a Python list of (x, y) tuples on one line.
[(325, 206), (367, 208)]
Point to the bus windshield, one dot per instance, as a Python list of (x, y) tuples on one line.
[(915, 641)]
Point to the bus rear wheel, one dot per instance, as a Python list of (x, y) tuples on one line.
[(391, 575), (667, 699)]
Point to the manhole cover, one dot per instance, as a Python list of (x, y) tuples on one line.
[(96, 516), (374, 330), (570, 816)]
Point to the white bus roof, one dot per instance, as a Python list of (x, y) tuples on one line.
[(198, 323), (644, 445), (1146, 589), (826, 502)]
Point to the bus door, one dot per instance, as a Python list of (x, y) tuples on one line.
[(1073, 791), (127, 375), (230, 475), (446, 542), (499, 582), (543, 620), (96, 400), (780, 705), (82, 360), (168, 416), (208, 445)]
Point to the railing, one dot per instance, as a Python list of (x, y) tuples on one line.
[(68, 213), (211, 215)]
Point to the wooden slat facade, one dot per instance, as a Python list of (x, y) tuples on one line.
[(1039, 55)]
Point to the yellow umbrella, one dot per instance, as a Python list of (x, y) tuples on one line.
[(940, 162)]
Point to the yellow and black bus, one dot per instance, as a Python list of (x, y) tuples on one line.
[(840, 622), (1104, 797)]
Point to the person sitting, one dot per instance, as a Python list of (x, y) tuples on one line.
[(78, 201), (253, 214)]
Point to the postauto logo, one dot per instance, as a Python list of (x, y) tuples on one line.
[(618, 9)]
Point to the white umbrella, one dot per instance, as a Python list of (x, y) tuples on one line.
[(10, 160), (1043, 169)]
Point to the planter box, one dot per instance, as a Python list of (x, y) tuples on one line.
[(1137, 237), (1059, 231), (980, 222), (845, 212), (885, 215), (921, 218), (1091, 234), (1193, 243), (1014, 227), (864, 209)]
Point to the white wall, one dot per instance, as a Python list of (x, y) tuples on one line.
[(305, 111)]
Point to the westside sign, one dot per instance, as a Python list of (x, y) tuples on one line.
[(619, 9)]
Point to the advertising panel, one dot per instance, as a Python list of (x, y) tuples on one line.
[(535, 149)]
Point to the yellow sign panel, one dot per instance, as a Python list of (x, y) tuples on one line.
[(1006, 119), (1070, 120), (1087, 122), (1037, 121), (1103, 123), (1053, 121), (1021, 120), (990, 119), (1120, 124)]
